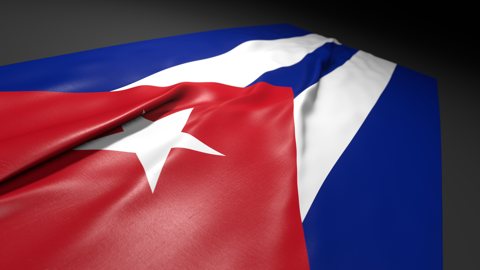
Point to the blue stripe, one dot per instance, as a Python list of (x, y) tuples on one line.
[(308, 71), (109, 68), (380, 207)]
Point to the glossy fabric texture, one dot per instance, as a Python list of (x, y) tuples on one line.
[(207, 212), (380, 206), (362, 143)]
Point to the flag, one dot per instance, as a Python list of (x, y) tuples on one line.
[(265, 147)]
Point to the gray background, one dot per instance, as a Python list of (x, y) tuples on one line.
[(436, 41)]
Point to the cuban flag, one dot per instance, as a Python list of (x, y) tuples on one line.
[(264, 147)]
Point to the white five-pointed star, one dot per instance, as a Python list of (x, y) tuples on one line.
[(151, 142)]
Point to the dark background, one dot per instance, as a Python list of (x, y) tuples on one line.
[(436, 40)]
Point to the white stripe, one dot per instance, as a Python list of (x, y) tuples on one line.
[(240, 66), (329, 113)]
